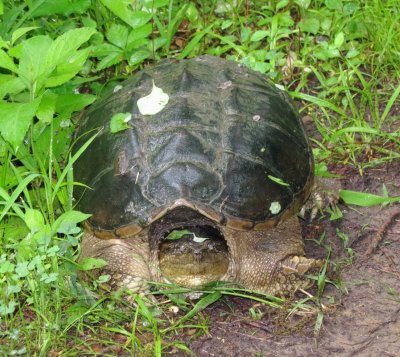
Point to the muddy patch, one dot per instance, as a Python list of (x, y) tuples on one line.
[(361, 318)]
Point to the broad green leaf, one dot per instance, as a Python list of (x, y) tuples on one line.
[(324, 52), (118, 35), (10, 85), (20, 32), (15, 119), (7, 267), (140, 33), (110, 60), (22, 269), (47, 107), (119, 122), (192, 14), (66, 44), (321, 170), (68, 221), (1, 7), (259, 35), (14, 229), (225, 24), (42, 238), (155, 43), (283, 19), (6, 62), (333, 4), (155, 4), (8, 309), (32, 67), (350, 8), (133, 18), (34, 220), (352, 53), (62, 7), (139, 56), (48, 278), (104, 49), (91, 263), (245, 33), (281, 4), (310, 24), (262, 67), (339, 39), (154, 102), (53, 138), (89, 22), (69, 68), (365, 199), (68, 103)]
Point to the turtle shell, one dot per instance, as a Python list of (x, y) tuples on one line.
[(228, 144)]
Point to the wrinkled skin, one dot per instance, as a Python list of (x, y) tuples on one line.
[(270, 261)]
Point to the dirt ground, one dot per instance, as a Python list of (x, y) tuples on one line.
[(362, 318)]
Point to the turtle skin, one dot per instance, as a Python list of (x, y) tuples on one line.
[(227, 155)]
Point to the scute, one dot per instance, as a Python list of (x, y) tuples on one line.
[(223, 137)]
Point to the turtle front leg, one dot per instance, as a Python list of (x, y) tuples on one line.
[(127, 261), (270, 261), (324, 194)]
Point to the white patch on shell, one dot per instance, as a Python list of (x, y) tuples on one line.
[(117, 88), (275, 207), (256, 117), (154, 102)]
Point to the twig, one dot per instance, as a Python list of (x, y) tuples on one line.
[(381, 233)]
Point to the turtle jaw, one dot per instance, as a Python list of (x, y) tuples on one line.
[(192, 263), (197, 257)]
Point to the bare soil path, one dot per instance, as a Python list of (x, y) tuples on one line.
[(361, 320)]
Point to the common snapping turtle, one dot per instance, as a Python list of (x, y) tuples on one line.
[(223, 157)]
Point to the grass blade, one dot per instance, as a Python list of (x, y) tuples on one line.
[(390, 103), (10, 200), (199, 306), (365, 199), (71, 161)]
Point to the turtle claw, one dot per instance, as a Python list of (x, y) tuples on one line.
[(300, 265), (291, 274), (323, 195)]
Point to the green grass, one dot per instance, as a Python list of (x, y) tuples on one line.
[(339, 60)]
